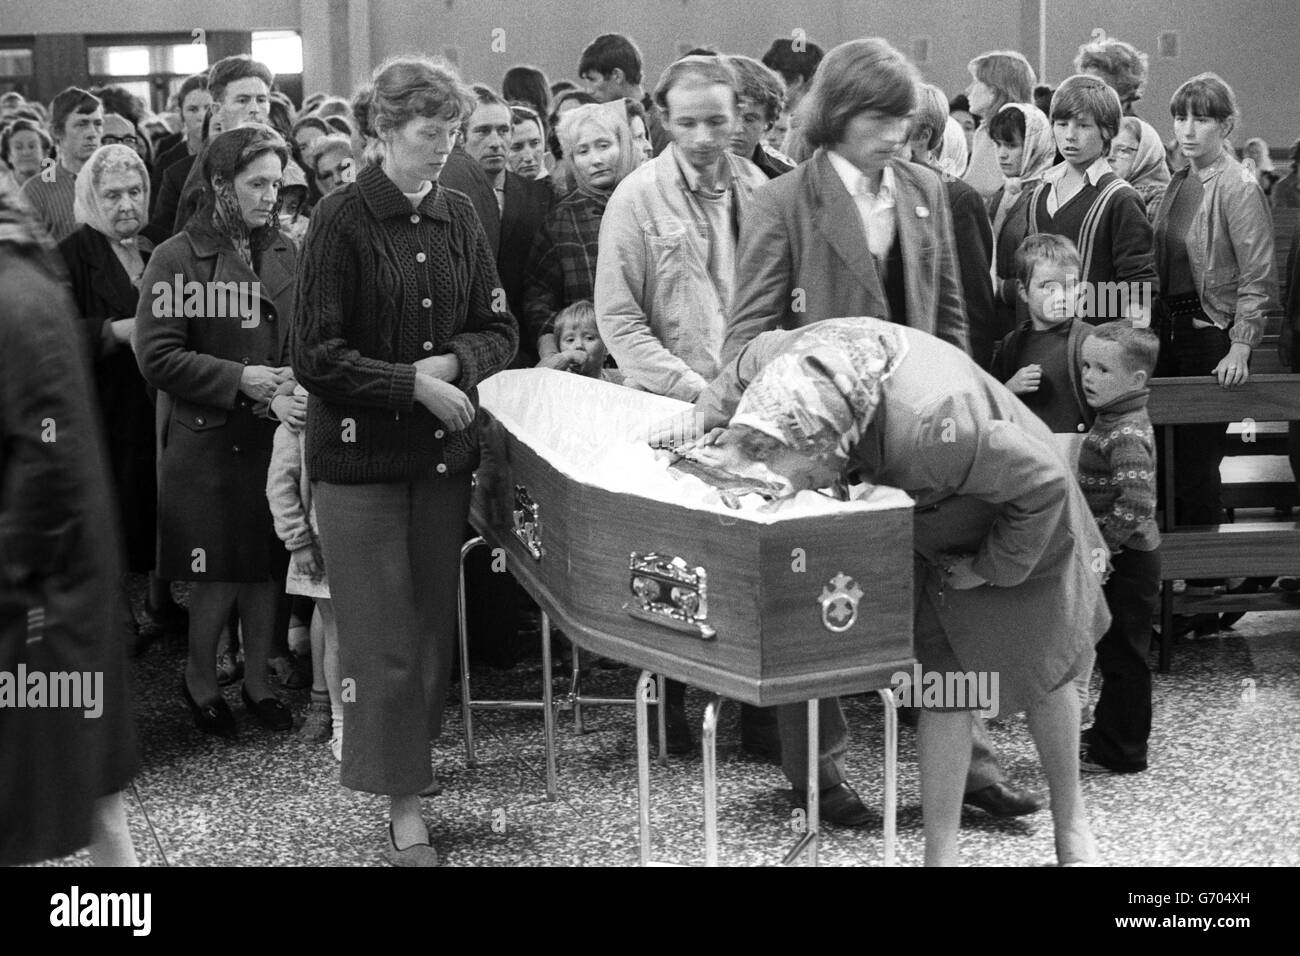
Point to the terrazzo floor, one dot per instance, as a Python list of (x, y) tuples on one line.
[(1222, 788)]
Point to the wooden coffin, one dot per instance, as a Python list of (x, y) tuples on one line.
[(760, 608)]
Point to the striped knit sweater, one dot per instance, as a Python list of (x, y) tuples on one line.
[(52, 201), (1117, 471)]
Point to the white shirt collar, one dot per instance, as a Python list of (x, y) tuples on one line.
[(1092, 174), (855, 180)]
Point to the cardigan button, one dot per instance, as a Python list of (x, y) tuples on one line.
[(1080, 427), (427, 302), (439, 433), (442, 469), (415, 219), (428, 346), (420, 257)]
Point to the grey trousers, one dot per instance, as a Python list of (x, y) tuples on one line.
[(392, 556), (834, 733)]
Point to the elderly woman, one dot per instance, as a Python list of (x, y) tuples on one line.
[(211, 331), (1007, 580), (561, 269), (63, 767), (106, 259), (24, 146), (998, 78), (1218, 282), (1137, 156), (395, 328)]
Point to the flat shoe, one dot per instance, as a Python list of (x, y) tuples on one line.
[(417, 854), (270, 712), (214, 718)]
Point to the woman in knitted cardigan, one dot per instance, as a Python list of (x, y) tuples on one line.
[(399, 319)]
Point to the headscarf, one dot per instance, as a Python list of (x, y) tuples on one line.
[(223, 155), (953, 154), (818, 397), (1038, 156), (612, 119), (114, 158), (1149, 175)]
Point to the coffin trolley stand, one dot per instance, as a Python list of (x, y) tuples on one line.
[(774, 609)]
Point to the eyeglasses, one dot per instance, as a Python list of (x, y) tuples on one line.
[(131, 141)]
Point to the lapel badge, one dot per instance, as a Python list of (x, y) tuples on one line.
[(922, 212), (839, 600)]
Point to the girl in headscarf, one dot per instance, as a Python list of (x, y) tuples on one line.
[(63, 767), (1006, 574), (1026, 150), (106, 258), (1137, 156), (598, 154)]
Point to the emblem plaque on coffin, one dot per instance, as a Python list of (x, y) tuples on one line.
[(839, 600)]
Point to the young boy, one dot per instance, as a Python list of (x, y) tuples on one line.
[(1117, 470), (581, 348), (1040, 360), (1083, 200)]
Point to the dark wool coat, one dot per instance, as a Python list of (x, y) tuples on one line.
[(217, 445), (103, 293)]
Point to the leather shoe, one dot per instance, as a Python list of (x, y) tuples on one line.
[(214, 718), (999, 800), (839, 805), (270, 712)]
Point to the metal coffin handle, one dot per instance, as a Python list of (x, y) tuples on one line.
[(669, 592), (527, 524)]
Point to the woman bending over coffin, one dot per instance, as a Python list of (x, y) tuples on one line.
[(1005, 544)]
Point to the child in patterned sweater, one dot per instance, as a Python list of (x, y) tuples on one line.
[(1117, 470)]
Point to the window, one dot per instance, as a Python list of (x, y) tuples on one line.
[(15, 70), (152, 67), (281, 50)]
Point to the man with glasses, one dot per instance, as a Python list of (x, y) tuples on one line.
[(77, 122)]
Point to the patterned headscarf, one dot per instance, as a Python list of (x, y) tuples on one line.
[(113, 158), (819, 396), (1149, 174)]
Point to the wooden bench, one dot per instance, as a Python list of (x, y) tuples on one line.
[(1239, 549)]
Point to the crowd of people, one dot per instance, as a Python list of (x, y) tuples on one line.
[(263, 326)]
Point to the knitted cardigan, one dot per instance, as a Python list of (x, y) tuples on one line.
[(1117, 471), (381, 286)]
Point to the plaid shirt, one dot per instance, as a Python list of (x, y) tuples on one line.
[(561, 268)]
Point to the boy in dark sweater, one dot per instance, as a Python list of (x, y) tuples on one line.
[(1117, 470), (1040, 360), (1083, 200)]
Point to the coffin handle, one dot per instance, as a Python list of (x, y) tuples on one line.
[(668, 591), (527, 523)]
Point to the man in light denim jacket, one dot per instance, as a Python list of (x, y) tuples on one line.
[(665, 270)]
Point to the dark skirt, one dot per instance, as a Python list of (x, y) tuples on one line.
[(214, 520)]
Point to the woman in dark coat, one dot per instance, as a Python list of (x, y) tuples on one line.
[(211, 331), (62, 768), (1007, 575), (106, 257)]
